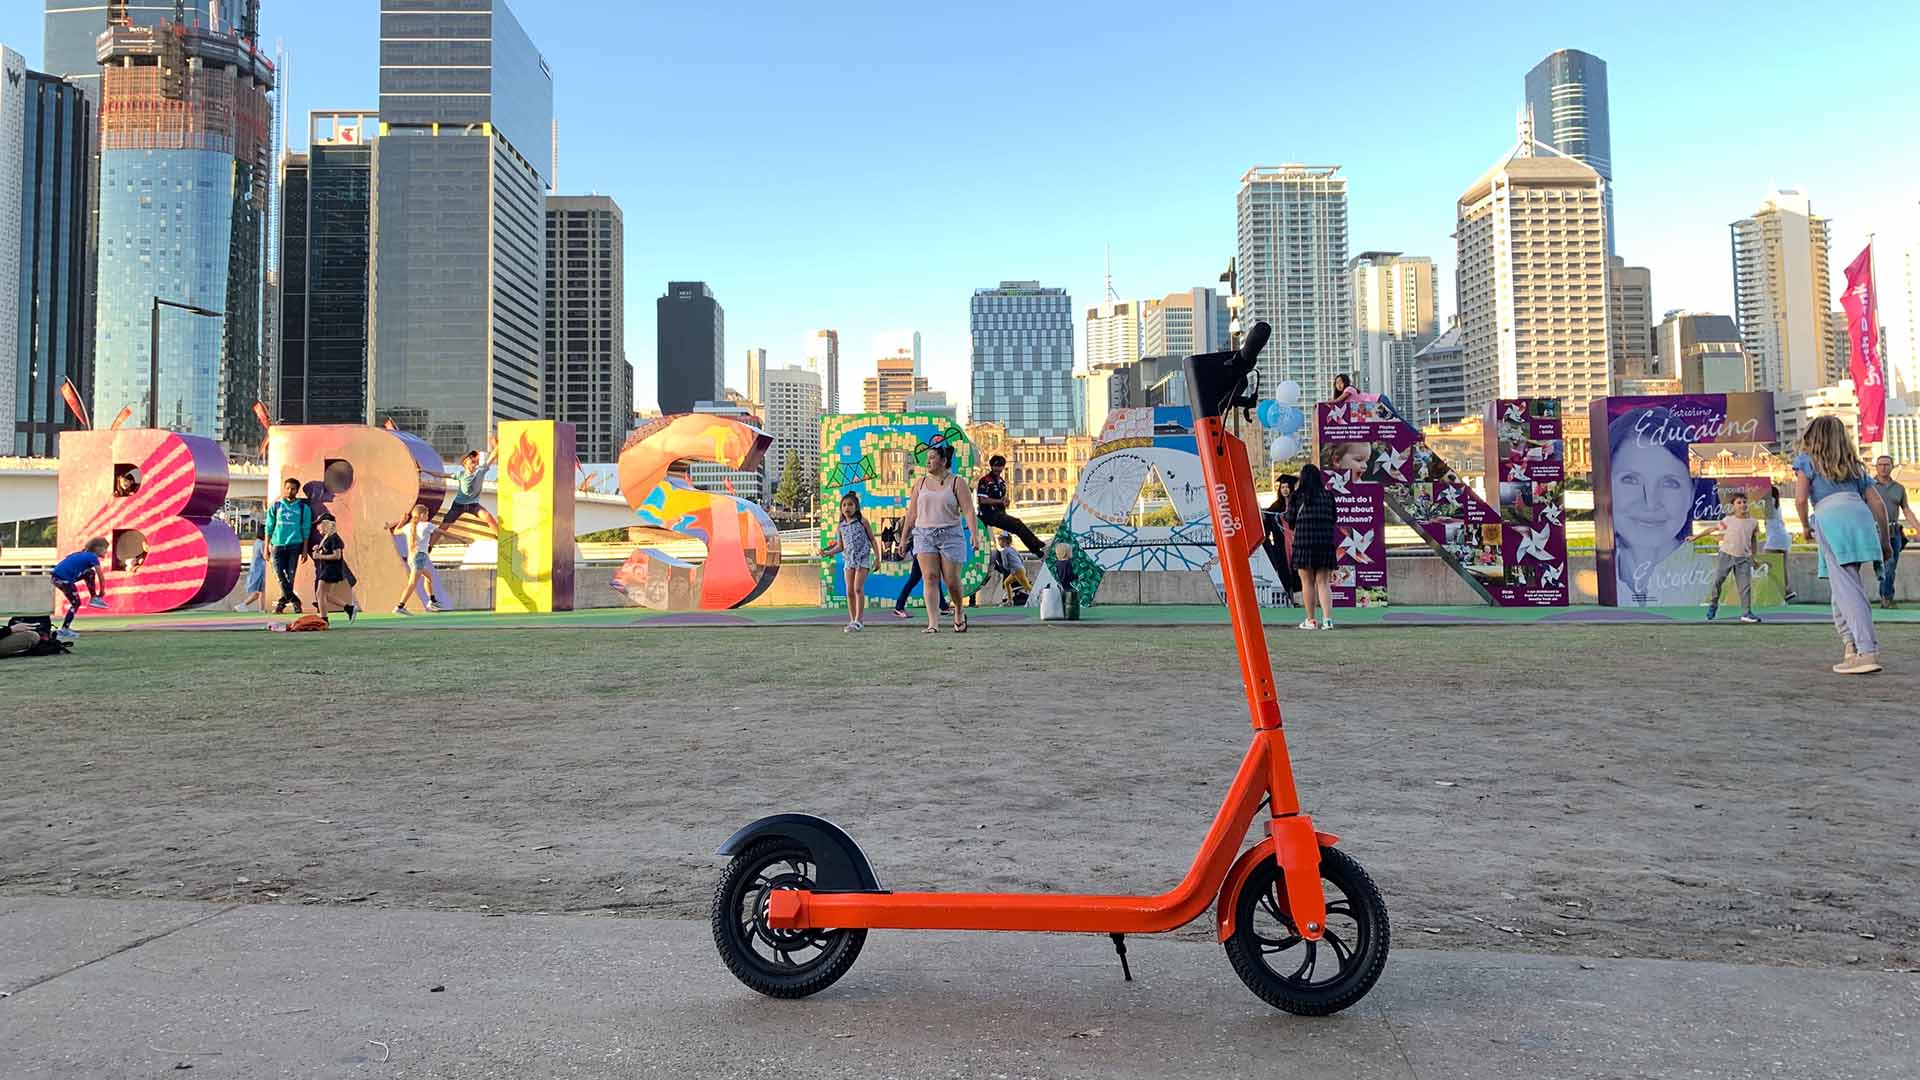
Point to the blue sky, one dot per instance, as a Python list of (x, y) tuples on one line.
[(866, 166)]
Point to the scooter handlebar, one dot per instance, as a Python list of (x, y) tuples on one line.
[(1256, 340)]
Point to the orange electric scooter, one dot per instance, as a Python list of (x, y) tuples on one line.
[(1303, 924)]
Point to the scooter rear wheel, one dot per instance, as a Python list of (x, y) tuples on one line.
[(1304, 977), (777, 963)]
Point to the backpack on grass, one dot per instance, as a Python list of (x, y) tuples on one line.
[(41, 627)]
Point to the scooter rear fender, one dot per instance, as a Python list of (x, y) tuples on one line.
[(839, 864)]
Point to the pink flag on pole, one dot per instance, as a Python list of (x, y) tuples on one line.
[(1863, 330)]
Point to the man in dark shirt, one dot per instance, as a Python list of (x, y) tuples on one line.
[(991, 492), (1893, 495)]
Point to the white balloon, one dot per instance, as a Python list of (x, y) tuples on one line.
[(1287, 393), (1285, 447)]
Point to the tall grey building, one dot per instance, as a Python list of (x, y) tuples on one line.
[(690, 337), (459, 221), (1184, 323), (47, 139), (1440, 380), (589, 381), (1782, 294), (326, 208), (1567, 99), (1703, 351), (1023, 359), (823, 358), (1630, 319), (1292, 272)]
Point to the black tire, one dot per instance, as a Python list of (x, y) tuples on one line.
[(1356, 936), (777, 963)]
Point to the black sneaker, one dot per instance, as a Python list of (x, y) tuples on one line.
[(280, 608)]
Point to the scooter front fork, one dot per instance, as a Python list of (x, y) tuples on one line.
[(1297, 849)]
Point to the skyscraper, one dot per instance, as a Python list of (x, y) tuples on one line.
[(73, 28), (1532, 290), (1393, 318), (1023, 358), (46, 153), (1113, 332), (1630, 319), (892, 383), (459, 221), (184, 128), (1703, 352), (1439, 380), (757, 376), (690, 336), (1293, 272), (1781, 293), (1184, 323), (326, 200), (589, 382), (792, 414), (1567, 100), (823, 359)]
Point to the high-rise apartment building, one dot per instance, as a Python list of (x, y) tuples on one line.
[(326, 237), (1782, 297), (1630, 319), (690, 337), (1702, 351), (1184, 323), (1567, 103), (1292, 267), (892, 383), (459, 221), (1839, 347), (757, 376), (792, 414), (1023, 358), (1114, 332), (184, 160), (1393, 318), (823, 359), (589, 382), (1532, 281), (47, 139), (1440, 380)]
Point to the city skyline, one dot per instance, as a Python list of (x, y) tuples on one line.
[(833, 249)]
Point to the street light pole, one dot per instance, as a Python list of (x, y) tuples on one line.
[(153, 354)]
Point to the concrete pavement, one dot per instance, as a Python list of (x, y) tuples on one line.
[(101, 988)]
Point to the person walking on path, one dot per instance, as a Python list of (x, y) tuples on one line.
[(1893, 496), (418, 530), (467, 485), (332, 581), (1780, 540), (289, 523), (938, 510), (1736, 558), (854, 540), (1848, 523), (1313, 540), (68, 573), (993, 499)]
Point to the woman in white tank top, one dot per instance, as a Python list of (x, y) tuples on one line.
[(940, 520)]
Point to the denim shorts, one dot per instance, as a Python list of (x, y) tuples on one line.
[(946, 541), (422, 561)]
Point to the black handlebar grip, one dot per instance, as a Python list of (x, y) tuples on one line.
[(1255, 341)]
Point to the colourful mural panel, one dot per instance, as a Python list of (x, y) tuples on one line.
[(533, 571), (877, 456)]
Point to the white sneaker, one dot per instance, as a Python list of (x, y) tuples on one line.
[(64, 634), (1326, 624), (434, 605), (401, 611), (1308, 624), (242, 607), (858, 625)]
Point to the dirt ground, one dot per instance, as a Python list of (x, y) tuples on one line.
[(1687, 792)]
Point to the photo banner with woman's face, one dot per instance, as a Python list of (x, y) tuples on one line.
[(1648, 505), (1514, 554)]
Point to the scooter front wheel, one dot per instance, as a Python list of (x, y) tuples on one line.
[(1309, 978), (777, 963)]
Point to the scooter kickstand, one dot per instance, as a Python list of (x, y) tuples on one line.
[(1120, 946)]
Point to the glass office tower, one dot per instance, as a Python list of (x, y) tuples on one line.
[(1567, 95), (73, 28), (1023, 358), (325, 236), (184, 130), (459, 221)]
